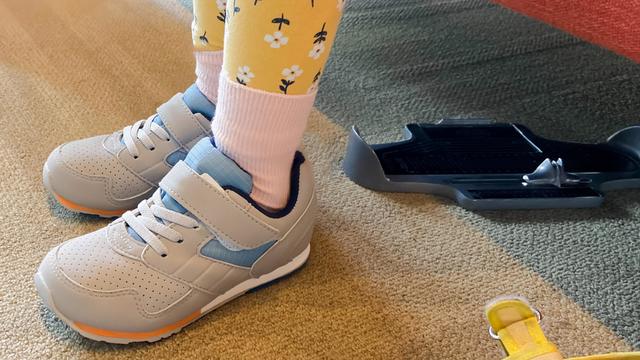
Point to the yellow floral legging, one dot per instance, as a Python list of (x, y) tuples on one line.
[(278, 46)]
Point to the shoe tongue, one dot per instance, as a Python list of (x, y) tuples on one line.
[(197, 102), (205, 158)]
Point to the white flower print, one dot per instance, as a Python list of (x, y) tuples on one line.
[(222, 4), (290, 74), (317, 50), (276, 40), (244, 75), (341, 4)]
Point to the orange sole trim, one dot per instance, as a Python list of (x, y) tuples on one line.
[(83, 209), (138, 335)]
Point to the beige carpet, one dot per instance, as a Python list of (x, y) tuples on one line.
[(390, 276)]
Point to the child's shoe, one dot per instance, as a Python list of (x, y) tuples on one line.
[(197, 243), (107, 175)]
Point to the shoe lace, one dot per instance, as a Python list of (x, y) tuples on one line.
[(151, 219), (142, 130)]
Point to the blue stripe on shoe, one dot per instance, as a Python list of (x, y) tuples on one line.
[(215, 250), (176, 156)]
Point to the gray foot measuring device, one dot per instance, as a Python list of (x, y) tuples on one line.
[(484, 165)]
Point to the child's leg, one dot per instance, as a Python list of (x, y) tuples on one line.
[(259, 122), (207, 31), (274, 55)]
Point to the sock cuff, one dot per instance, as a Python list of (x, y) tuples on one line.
[(209, 57), (227, 84), (261, 131), (249, 115), (208, 67)]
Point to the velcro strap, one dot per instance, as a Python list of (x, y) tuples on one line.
[(215, 209), (178, 119)]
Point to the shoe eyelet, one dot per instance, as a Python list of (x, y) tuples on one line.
[(180, 241), (164, 255), (135, 157), (152, 149), (197, 227)]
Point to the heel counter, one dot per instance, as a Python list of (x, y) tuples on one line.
[(291, 245)]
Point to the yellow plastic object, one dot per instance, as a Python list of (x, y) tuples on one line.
[(516, 324)]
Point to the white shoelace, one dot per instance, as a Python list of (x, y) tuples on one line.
[(141, 130), (144, 221)]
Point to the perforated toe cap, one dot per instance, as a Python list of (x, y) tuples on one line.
[(83, 172), (91, 263), (89, 283), (90, 158)]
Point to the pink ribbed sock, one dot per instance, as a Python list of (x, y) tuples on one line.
[(208, 66), (261, 132)]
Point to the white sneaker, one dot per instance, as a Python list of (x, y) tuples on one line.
[(197, 243)]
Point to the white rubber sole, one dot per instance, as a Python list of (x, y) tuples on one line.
[(231, 294)]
